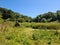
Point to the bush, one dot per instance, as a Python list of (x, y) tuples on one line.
[(17, 24), (39, 26), (54, 26)]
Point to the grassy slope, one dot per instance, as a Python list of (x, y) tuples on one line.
[(10, 35)]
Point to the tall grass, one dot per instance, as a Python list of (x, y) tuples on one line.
[(25, 35), (53, 25)]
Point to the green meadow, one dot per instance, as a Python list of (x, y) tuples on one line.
[(30, 33)]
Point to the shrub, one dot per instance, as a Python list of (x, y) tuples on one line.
[(39, 26), (17, 24), (54, 26)]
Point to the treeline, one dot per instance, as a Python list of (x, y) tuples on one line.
[(10, 15), (48, 17), (7, 14)]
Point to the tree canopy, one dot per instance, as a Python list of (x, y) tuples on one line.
[(12, 16)]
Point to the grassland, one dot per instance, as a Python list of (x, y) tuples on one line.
[(30, 33)]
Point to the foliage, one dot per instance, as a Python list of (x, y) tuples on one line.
[(7, 13), (46, 17), (49, 17), (17, 24), (43, 20)]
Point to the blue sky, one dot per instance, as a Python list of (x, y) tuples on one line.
[(31, 7)]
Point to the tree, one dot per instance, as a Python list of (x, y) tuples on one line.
[(58, 15), (38, 18), (43, 20), (5, 16), (12, 14)]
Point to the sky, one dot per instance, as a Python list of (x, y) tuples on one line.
[(31, 8)]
